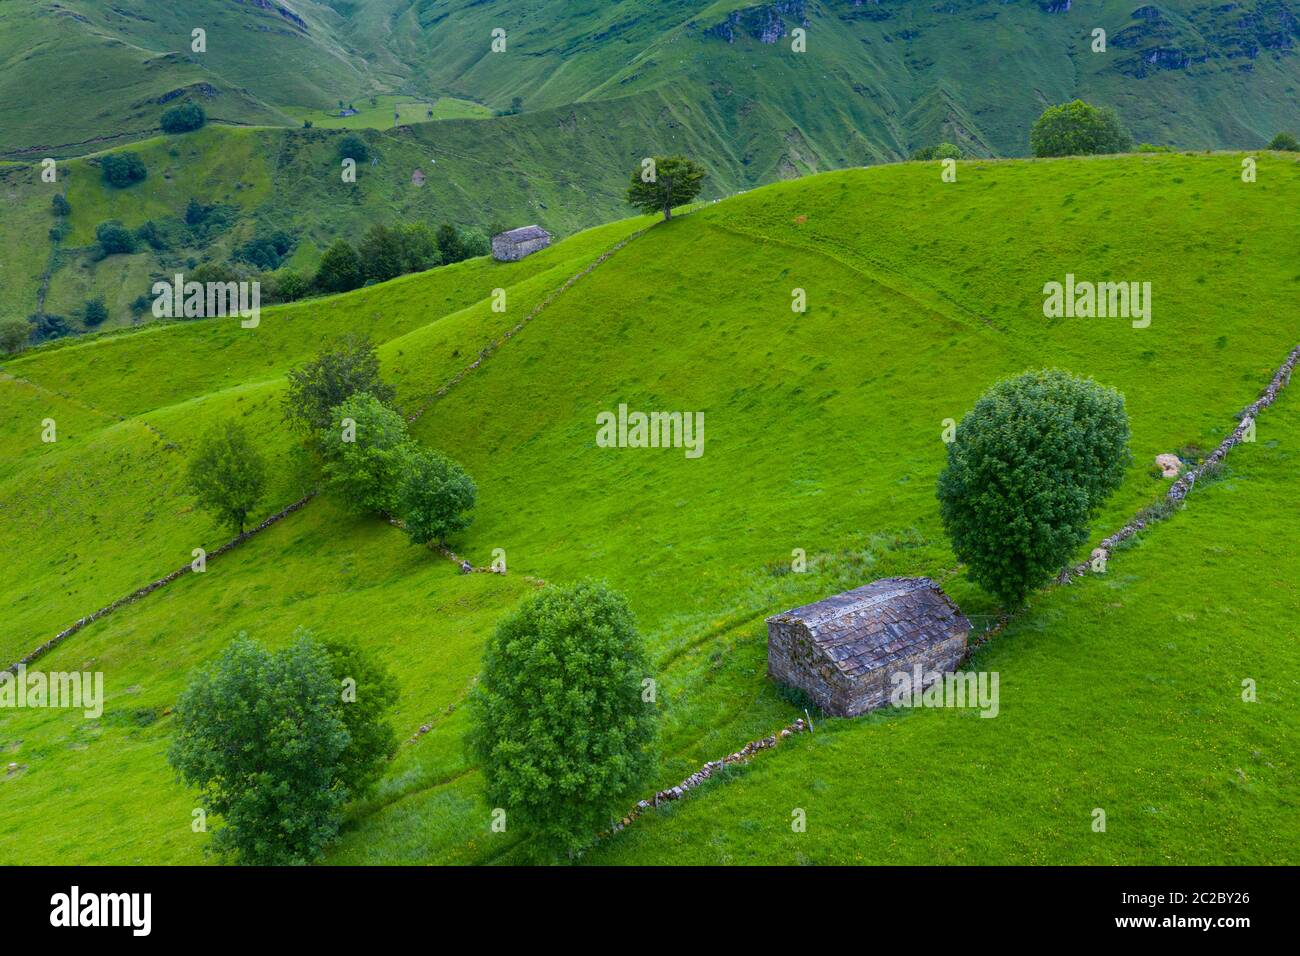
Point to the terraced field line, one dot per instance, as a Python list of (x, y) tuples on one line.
[(152, 586), (491, 347)]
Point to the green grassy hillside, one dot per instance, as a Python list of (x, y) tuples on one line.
[(823, 433), (600, 86)]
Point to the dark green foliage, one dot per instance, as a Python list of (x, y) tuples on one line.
[(196, 212), (449, 243), (559, 725), (942, 151), (123, 169), (1285, 142), (1078, 129), (1030, 466), (353, 146), (13, 336), (677, 181), (266, 252), (60, 205), (114, 238), (183, 118), (226, 475), (367, 693), (382, 254), (364, 460), (340, 268), (434, 497), (261, 735), (150, 234), (335, 375), (474, 243), (419, 248), (456, 244), (288, 286), (95, 311), (47, 325)]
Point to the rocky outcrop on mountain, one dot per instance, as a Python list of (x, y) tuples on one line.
[(284, 12), (1221, 33), (765, 23), (206, 90)]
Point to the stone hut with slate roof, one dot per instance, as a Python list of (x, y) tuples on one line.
[(514, 245), (843, 651)]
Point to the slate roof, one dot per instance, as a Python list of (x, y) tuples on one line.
[(877, 624), (523, 234)]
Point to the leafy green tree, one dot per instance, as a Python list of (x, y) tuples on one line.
[(196, 212), (13, 336), (676, 181), (262, 736), (1030, 466), (1078, 129), (227, 475), (60, 205), (383, 255), (47, 325), (364, 453), (942, 151), (449, 243), (266, 251), (95, 311), (559, 726), (353, 146), (419, 248), (435, 496), (340, 268), (474, 243), (1285, 142), (368, 692), (114, 238), (346, 368), (123, 169), (289, 286), (183, 119)]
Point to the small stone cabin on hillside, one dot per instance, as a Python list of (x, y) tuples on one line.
[(843, 651), (514, 245)]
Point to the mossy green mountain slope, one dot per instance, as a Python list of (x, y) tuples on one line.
[(877, 78), (823, 433)]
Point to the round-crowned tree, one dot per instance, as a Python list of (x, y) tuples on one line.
[(663, 183), (1078, 129), (364, 451), (277, 741), (559, 724), (1285, 142), (435, 496), (1029, 467), (227, 475)]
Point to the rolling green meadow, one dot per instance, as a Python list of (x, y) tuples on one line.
[(1121, 691)]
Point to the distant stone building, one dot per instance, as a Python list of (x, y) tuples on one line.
[(843, 651), (417, 177), (514, 245)]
